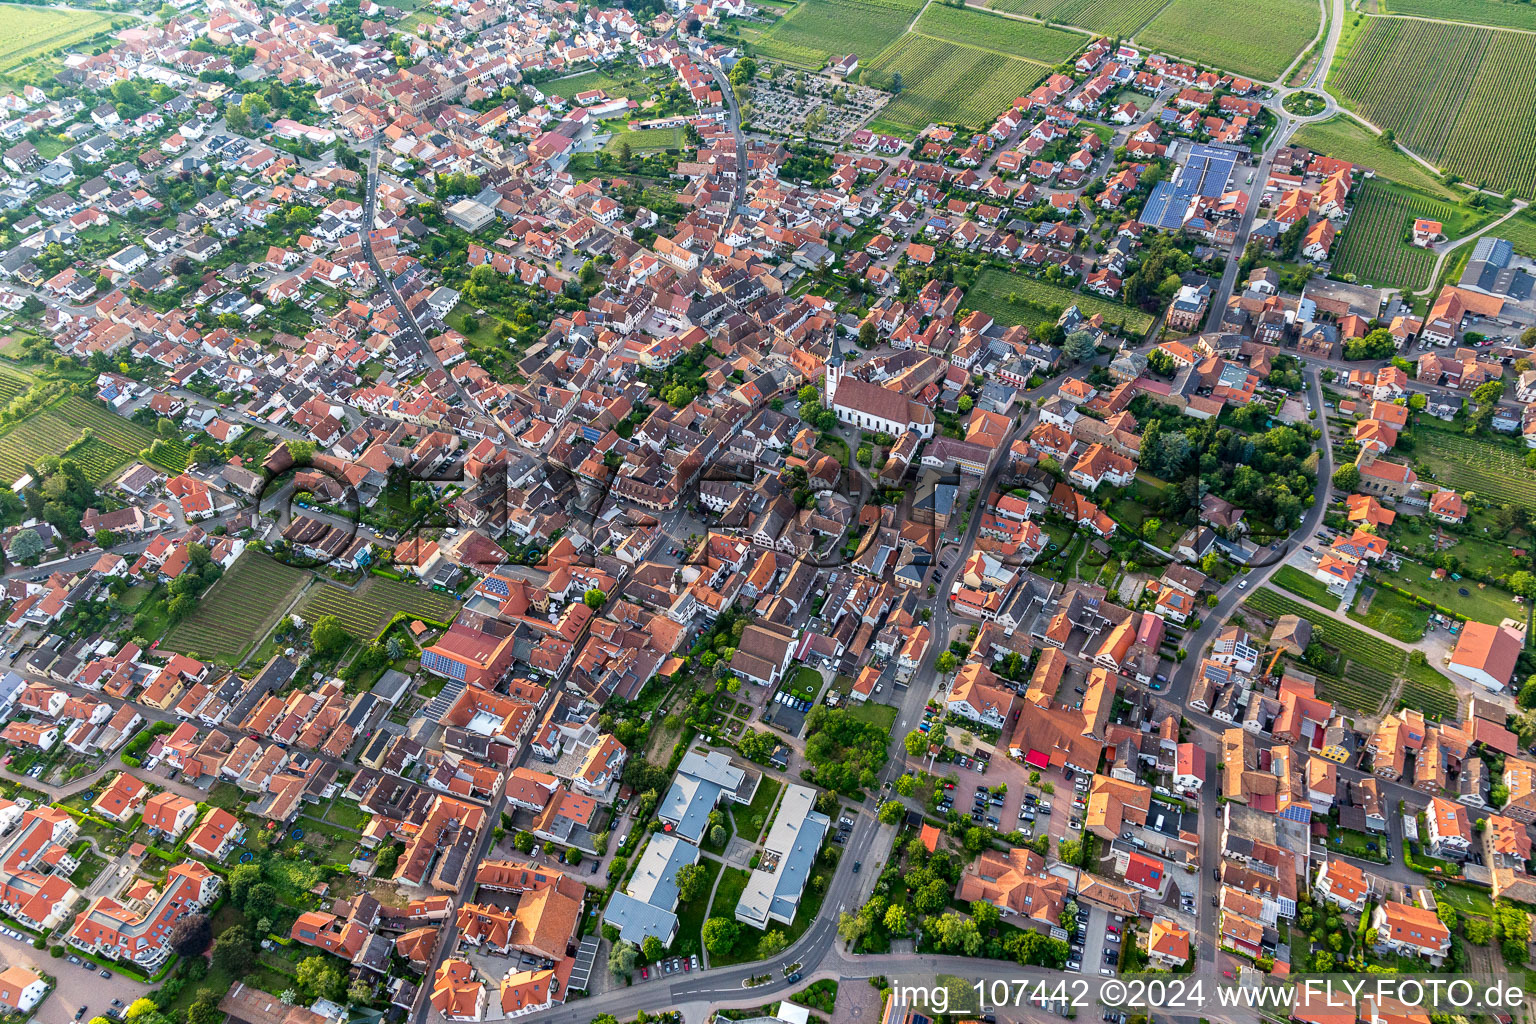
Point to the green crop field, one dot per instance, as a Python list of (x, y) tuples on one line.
[(1362, 649), (365, 612), (948, 83), (27, 32), (1309, 587), (97, 459), (817, 30), (1108, 16), (1034, 301), (11, 385), (1373, 248), (565, 88), (990, 32), (1521, 232), (1493, 470), (1347, 139), (238, 610), (122, 434), (1257, 38), (1457, 95), (42, 433), (1498, 13), (1428, 690)]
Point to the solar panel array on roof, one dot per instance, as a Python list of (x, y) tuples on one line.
[(1205, 173)]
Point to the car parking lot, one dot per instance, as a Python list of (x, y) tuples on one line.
[(671, 965), (77, 985)]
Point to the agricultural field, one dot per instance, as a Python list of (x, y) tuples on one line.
[(11, 385), (1369, 666), (1521, 232), (237, 610), (565, 88), (1373, 248), (990, 32), (1347, 139), (1106, 16), (98, 460), (27, 32), (365, 611), (1257, 38), (1493, 470), (42, 433), (1034, 301), (1498, 13), (120, 433), (1429, 691), (817, 30), (948, 83), (1457, 95)]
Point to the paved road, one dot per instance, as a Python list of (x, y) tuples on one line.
[(370, 213)]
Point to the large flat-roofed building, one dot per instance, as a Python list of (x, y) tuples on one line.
[(701, 783), (647, 903), (774, 888)]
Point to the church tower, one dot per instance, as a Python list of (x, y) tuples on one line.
[(834, 370)]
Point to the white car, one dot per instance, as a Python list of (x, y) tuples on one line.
[(1242, 584)]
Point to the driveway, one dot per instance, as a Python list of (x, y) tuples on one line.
[(1093, 941)]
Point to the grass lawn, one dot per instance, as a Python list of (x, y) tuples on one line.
[(1482, 603), (1356, 844), (806, 684), (647, 140), (1395, 615), (1297, 582), (733, 882), (758, 809), (690, 915), (882, 715), (1468, 900), (1016, 299)]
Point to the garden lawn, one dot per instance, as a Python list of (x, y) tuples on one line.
[(1033, 301), (691, 914), (1464, 898), (806, 684), (1483, 604), (873, 712), (760, 806), (1393, 614), (1297, 582)]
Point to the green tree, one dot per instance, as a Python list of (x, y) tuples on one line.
[(906, 785), (317, 977), (692, 881), (595, 598), (916, 743), (622, 958), (26, 545), (1079, 347), (891, 812), (328, 637), (771, 945), (653, 949), (232, 952), (1346, 478), (896, 919), (719, 935)]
